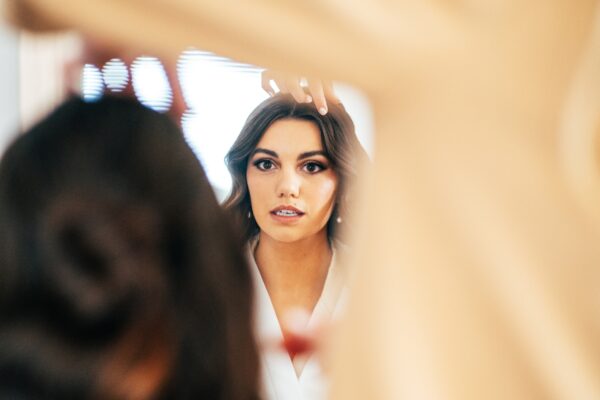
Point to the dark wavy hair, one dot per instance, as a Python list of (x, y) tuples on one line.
[(120, 275), (340, 144)]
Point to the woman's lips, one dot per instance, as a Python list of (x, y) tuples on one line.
[(286, 214)]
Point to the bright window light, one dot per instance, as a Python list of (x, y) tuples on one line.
[(219, 95)]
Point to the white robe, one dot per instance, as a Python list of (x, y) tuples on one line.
[(279, 379)]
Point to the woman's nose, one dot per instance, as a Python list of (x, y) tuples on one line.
[(289, 184)]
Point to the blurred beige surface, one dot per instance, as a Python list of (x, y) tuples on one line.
[(479, 251)]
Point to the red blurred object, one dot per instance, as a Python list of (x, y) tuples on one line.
[(296, 344)]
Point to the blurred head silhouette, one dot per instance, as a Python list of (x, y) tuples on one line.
[(119, 276)]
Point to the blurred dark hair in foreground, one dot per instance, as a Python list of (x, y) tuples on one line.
[(120, 277)]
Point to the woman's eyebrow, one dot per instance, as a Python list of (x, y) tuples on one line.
[(266, 151), (308, 154)]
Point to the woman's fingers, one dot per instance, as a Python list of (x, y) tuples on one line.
[(320, 92), (285, 84), (292, 84), (315, 87), (267, 77)]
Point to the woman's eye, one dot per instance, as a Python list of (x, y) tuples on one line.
[(313, 167), (264, 165)]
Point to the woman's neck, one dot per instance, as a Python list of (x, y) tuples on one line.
[(294, 273)]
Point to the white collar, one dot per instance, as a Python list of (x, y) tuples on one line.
[(276, 361)]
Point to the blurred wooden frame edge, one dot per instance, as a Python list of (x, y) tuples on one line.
[(21, 15)]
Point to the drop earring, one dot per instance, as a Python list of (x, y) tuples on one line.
[(249, 214), (338, 220)]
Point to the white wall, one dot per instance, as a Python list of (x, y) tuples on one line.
[(9, 85)]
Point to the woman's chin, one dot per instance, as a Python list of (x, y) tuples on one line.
[(286, 237), (284, 234)]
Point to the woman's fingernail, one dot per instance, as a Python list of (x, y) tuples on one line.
[(308, 99), (322, 110)]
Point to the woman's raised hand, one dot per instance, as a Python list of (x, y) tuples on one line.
[(315, 90)]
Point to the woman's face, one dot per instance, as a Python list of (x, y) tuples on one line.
[(290, 180)]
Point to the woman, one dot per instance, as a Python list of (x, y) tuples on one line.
[(120, 277), (291, 168)]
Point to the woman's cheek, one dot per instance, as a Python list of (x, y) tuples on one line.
[(259, 189), (326, 190)]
